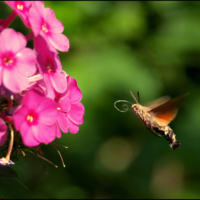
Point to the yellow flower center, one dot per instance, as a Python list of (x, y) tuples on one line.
[(29, 118), (44, 28)]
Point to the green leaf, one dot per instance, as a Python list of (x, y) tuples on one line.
[(20, 182), (8, 172)]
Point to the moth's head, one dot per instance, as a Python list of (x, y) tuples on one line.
[(136, 107)]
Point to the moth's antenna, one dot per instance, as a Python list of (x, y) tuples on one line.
[(124, 106), (134, 97), (138, 96)]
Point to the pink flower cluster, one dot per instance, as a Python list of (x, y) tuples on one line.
[(48, 99)]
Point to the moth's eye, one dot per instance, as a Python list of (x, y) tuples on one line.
[(137, 107)]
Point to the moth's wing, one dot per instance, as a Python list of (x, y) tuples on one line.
[(157, 102), (166, 112)]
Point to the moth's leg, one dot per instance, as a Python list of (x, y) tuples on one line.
[(154, 133), (159, 132)]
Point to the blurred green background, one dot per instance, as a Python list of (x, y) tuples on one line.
[(116, 47)]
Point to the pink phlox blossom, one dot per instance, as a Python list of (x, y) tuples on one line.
[(4, 162), (36, 118), (22, 9), (17, 63), (70, 109), (43, 22), (3, 132), (50, 67)]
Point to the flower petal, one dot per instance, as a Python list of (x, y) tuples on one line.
[(14, 81), (26, 61), (63, 122), (49, 88), (35, 16), (19, 116), (48, 112), (32, 99), (76, 113), (59, 82), (65, 104), (59, 41), (3, 132), (43, 133), (73, 128), (55, 25), (75, 94), (27, 135), (1, 72), (58, 132), (12, 37)]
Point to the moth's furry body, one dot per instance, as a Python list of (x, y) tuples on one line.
[(161, 131), (158, 115)]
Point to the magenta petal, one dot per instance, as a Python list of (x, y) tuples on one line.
[(65, 104), (14, 81), (76, 113), (55, 25), (43, 133), (48, 112), (26, 60), (59, 41), (3, 132), (75, 94), (28, 136), (58, 65), (63, 122), (1, 72), (73, 128), (32, 99), (11, 37), (49, 88), (58, 132), (49, 15), (59, 82), (39, 7), (40, 45), (19, 116), (36, 16)]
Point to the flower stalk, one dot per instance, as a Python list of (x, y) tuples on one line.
[(10, 144)]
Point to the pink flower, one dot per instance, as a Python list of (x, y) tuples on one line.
[(70, 109), (50, 67), (36, 119), (22, 9), (17, 63), (44, 22), (3, 132)]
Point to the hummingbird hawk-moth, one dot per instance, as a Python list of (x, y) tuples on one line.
[(158, 115)]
